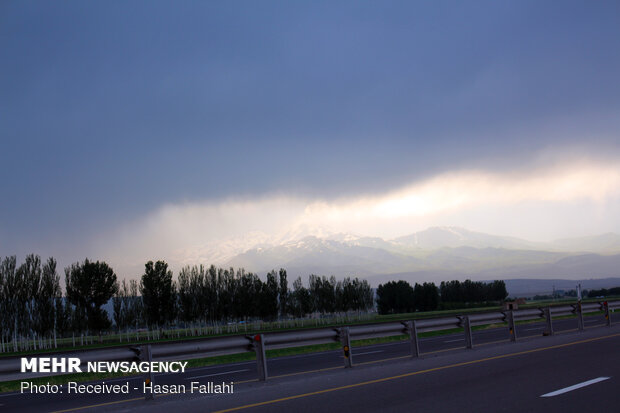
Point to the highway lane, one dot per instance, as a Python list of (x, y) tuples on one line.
[(573, 372), (284, 366), (512, 384)]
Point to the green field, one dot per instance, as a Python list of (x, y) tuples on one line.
[(249, 356), (206, 331)]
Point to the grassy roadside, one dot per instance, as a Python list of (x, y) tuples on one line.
[(14, 385), (250, 356), (329, 324), (143, 340)]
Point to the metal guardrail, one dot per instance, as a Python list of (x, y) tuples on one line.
[(260, 342)]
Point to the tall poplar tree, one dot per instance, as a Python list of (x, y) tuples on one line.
[(158, 293), (90, 285)]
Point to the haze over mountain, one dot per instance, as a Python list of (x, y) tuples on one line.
[(453, 237), (436, 254), (243, 131)]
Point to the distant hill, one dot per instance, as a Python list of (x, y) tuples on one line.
[(438, 253), (529, 287), (523, 278), (454, 237)]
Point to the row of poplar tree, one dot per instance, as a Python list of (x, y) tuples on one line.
[(32, 302), (396, 297)]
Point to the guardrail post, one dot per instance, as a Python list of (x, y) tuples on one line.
[(548, 319), (413, 337), (345, 339), (147, 355), (579, 316), (511, 326), (607, 315), (469, 343), (261, 358)]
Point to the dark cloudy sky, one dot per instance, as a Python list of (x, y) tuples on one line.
[(138, 123)]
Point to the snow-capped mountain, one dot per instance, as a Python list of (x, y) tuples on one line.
[(218, 253), (353, 254), (436, 252)]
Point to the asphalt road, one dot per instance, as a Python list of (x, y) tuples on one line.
[(294, 369), (526, 377)]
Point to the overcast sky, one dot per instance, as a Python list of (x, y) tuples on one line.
[(143, 130)]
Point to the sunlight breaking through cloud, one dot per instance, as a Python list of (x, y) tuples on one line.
[(212, 231)]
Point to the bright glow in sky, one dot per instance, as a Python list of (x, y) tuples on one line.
[(211, 232), (149, 130)]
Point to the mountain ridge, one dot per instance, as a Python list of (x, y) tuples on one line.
[(435, 253)]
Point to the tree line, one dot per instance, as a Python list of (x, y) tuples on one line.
[(32, 303), (218, 294), (604, 292), (400, 297)]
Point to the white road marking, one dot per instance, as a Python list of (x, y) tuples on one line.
[(454, 341), (575, 387), (532, 329), (217, 374)]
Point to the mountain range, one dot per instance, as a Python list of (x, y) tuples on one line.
[(435, 254)]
